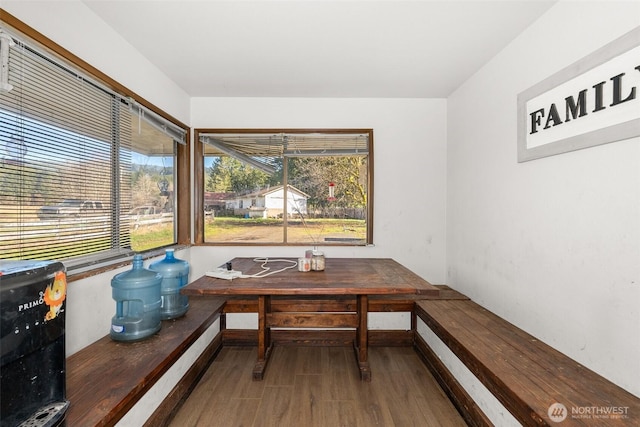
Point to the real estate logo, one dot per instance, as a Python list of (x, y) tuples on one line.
[(557, 412)]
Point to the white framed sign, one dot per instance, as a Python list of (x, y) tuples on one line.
[(593, 101)]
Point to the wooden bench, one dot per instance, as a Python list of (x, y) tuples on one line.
[(524, 374), (107, 378)]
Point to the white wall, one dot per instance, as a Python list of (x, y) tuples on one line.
[(409, 177), (552, 245)]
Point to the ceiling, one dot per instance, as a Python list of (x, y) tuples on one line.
[(307, 48)]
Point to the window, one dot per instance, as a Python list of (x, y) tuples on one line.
[(87, 173), (299, 187)]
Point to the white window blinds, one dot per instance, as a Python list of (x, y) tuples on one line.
[(65, 165), (86, 173)]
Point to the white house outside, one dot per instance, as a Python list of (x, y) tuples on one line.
[(269, 203)]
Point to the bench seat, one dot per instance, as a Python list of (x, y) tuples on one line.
[(526, 375), (106, 378)]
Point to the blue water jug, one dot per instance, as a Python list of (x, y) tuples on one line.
[(137, 296), (175, 275)]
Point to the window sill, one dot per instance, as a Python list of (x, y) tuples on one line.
[(82, 271)]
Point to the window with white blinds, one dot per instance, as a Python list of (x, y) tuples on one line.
[(85, 174)]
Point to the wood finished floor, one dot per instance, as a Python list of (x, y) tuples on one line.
[(317, 387)]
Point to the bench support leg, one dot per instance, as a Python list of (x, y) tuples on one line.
[(361, 343)]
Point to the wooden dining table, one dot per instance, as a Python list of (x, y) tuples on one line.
[(359, 277)]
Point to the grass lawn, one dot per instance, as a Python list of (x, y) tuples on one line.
[(258, 230)]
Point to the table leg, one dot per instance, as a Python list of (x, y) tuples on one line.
[(361, 344), (264, 337)]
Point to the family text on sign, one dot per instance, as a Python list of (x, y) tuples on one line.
[(575, 109)]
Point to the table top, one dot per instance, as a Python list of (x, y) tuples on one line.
[(341, 276)]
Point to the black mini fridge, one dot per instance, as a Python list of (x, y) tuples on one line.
[(32, 362)]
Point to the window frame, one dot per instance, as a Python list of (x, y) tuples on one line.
[(183, 151), (199, 181)]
